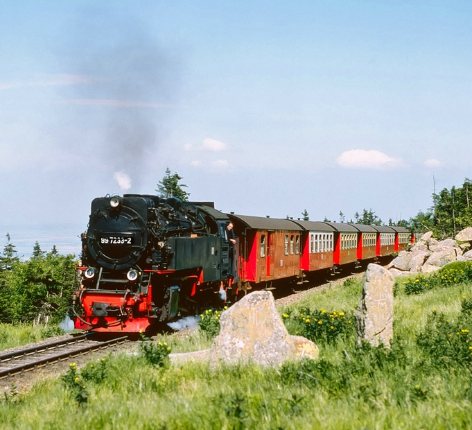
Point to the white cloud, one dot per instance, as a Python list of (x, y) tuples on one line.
[(213, 145), (220, 163), (196, 163), (367, 159), (123, 180), (432, 162), (208, 145)]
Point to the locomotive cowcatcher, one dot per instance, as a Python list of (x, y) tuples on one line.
[(144, 258)]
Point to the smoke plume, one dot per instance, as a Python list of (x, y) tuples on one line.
[(134, 84)]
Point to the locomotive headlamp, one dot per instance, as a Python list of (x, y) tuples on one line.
[(132, 275), (115, 201), (89, 273)]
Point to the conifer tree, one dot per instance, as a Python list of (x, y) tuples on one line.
[(170, 186)]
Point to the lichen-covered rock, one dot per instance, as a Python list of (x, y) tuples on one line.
[(428, 268), (467, 256), (441, 258), (375, 312), (402, 261), (397, 273), (252, 331), (426, 237), (464, 235), (417, 260)]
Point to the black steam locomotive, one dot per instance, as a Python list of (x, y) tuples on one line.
[(144, 258)]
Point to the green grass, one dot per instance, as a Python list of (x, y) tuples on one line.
[(20, 334), (349, 387)]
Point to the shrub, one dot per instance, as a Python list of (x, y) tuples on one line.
[(210, 322), (96, 371), (155, 353), (418, 284), (458, 272), (321, 325), (75, 384), (448, 342)]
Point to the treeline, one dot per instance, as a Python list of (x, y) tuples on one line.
[(451, 212), (38, 290)]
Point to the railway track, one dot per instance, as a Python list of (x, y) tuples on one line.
[(33, 357)]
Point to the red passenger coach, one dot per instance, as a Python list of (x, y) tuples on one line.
[(403, 237), (345, 243), (367, 242), (317, 245), (385, 240), (269, 249)]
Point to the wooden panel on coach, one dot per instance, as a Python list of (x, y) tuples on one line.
[(345, 243), (317, 245), (366, 242), (385, 241), (402, 238), (268, 249)]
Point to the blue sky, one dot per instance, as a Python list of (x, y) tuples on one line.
[(264, 107)]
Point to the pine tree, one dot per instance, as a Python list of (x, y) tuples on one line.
[(305, 215), (9, 255), (37, 252), (170, 186)]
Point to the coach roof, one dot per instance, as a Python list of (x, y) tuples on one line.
[(315, 226), (342, 227), (265, 223), (400, 229), (384, 229), (364, 228)]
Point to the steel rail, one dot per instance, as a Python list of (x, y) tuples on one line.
[(61, 356), (43, 347)]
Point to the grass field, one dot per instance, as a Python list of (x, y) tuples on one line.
[(423, 381)]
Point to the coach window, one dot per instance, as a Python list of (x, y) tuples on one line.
[(291, 244), (286, 244), (312, 243), (297, 244), (263, 245)]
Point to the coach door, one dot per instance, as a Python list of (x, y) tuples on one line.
[(270, 253)]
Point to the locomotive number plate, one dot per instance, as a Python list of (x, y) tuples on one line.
[(116, 240)]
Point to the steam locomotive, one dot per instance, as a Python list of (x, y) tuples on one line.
[(145, 258)]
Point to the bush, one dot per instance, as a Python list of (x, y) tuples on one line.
[(75, 384), (321, 325), (448, 342), (458, 272), (210, 322), (155, 353)]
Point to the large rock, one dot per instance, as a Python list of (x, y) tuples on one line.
[(375, 313), (397, 273), (419, 246), (441, 258), (467, 256), (252, 331), (464, 235), (428, 268), (417, 260), (402, 261), (426, 237)]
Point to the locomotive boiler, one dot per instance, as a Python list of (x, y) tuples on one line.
[(145, 258)]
